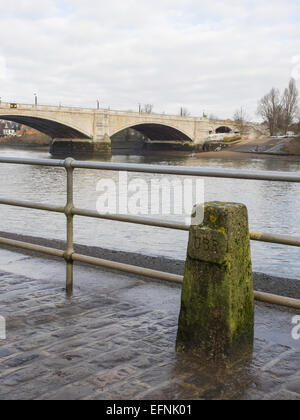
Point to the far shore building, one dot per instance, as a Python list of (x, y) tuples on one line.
[(10, 130)]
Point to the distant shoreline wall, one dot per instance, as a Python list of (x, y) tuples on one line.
[(32, 139)]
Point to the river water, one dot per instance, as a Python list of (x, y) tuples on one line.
[(274, 207)]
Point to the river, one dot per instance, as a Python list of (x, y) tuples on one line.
[(274, 207)]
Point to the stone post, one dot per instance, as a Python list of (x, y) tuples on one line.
[(217, 309)]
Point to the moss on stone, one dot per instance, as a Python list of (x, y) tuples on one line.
[(217, 312)]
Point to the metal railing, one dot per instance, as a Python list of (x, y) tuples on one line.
[(70, 211)]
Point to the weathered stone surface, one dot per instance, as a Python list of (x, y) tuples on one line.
[(87, 348), (217, 311)]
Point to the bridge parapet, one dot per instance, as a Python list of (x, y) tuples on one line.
[(6, 105), (62, 108)]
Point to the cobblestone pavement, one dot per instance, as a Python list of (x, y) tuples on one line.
[(115, 339)]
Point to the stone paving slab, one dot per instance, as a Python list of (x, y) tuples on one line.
[(115, 339)]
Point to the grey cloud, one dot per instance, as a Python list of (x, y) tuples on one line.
[(213, 56)]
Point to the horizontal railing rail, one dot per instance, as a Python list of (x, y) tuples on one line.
[(148, 221), (161, 169), (70, 211)]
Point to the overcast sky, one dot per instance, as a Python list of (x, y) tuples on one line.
[(212, 56)]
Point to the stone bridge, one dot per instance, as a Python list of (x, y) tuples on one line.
[(233, 128), (89, 130)]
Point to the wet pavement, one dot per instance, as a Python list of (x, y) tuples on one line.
[(115, 339)]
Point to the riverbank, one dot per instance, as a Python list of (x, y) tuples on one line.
[(29, 147), (262, 282), (222, 155), (293, 147), (236, 155), (241, 151), (272, 146), (30, 140)]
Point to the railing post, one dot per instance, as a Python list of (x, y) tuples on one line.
[(70, 226)]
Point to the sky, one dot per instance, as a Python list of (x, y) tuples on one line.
[(211, 56)]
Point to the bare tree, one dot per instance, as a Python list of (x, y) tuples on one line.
[(184, 112), (270, 109), (289, 106), (241, 118), (148, 108)]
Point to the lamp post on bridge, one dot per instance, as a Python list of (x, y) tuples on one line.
[(35, 99)]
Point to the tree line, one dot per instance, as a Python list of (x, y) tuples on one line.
[(280, 111)]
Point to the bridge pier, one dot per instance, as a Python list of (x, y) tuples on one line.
[(70, 147)]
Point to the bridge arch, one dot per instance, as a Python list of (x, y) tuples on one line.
[(157, 132), (224, 129), (50, 127)]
